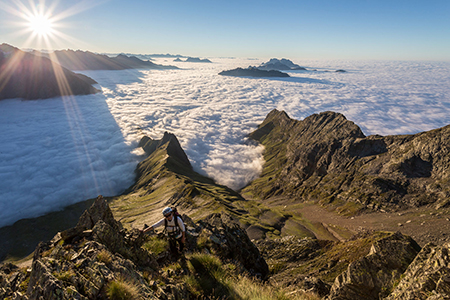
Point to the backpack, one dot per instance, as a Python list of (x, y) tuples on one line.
[(176, 215)]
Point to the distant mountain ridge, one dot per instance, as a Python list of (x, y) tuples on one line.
[(197, 60), (85, 60), (27, 76)]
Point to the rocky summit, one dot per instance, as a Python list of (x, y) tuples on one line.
[(327, 158)]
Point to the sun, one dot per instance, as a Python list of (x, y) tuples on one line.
[(41, 25)]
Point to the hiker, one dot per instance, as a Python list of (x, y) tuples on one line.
[(175, 229)]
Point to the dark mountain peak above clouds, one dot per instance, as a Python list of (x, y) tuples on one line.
[(197, 59), (27, 76), (280, 64), (253, 72), (85, 60)]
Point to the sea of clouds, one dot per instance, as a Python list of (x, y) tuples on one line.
[(59, 151)]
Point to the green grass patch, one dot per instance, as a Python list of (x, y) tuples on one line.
[(155, 245), (209, 277), (104, 256), (121, 289)]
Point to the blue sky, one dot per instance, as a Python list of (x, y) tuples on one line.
[(296, 29)]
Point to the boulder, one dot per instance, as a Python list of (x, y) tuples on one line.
[(225, 238), (427, 277), (373, 276), (98, 211)]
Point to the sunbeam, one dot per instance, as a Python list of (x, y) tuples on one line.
[(40, 23)]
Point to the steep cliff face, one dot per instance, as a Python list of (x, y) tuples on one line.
[(327, 158), (24, 75)]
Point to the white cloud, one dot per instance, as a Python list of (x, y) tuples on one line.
[(54, 153)]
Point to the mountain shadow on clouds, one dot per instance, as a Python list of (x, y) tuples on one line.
[(75, 155), (301, 80)]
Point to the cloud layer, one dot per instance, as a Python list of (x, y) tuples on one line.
[(57, 152)]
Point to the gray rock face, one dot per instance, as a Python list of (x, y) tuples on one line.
[(228, 240), (172, 145), (373, 276), (427, 277), (327, 158)]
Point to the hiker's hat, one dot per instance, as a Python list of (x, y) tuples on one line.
[(166, 211)]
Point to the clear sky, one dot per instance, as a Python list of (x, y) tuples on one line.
[(296, 29)]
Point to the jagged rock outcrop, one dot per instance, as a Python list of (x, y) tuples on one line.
[(327, 158), (171, 144), (253, 72), (223, 236), (79, 263), (24, 75), (427, 277), (373, 276)]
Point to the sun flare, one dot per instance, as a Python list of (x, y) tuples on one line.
[(41, 25), (39, 22)]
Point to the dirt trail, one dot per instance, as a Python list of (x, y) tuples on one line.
[(423, 224)]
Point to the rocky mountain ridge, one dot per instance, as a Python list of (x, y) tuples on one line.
[(327, 158)]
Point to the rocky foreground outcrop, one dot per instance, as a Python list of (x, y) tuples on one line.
[(328, 159), (27, 76), (372, 265), (83, 262)]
